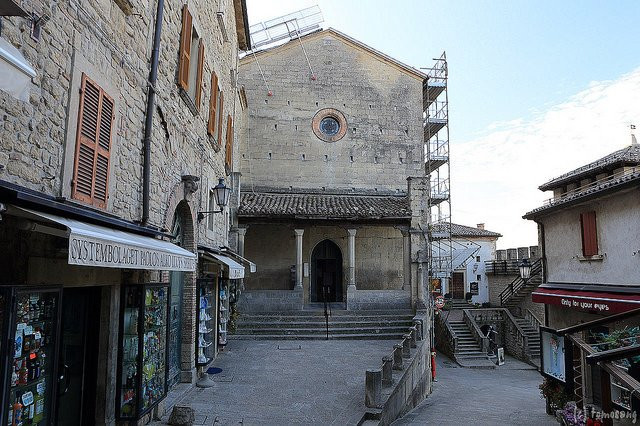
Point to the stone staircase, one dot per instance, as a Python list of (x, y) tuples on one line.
[(310, 325), (468, 352), (519, 289), (461, 304), (533, 338)]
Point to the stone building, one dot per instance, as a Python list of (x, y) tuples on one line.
[(120, 121), (590, 291), (334, 193)]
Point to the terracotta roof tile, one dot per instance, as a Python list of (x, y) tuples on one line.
[(260, 204)]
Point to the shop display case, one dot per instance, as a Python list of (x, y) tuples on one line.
[(223, 318), (142, 372), (29, 372), (206, 318)]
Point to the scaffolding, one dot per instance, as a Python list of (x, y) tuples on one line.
[(436, 146)]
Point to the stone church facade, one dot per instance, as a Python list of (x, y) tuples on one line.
[(334, 193)]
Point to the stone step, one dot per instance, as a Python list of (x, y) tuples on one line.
[(307, 324), (399, 331), (380, 336)]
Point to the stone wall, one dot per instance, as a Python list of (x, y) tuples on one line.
[(378, 299), (382, 105), (497, 283)]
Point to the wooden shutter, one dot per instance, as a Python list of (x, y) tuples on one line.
[(229, 144), (199, 74), (220, 112), (93, 145), (589, 233), (213, 105), (185, 49)]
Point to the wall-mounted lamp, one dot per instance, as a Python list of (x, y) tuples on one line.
[(525, 269), (221, 193)]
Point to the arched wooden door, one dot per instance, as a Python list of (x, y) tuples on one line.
[(326, 273)]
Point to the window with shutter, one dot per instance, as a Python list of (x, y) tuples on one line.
[(93, 145), (220, 113), (185, 49), (229, 145), (589, 233), (199, 74), (213, 105)]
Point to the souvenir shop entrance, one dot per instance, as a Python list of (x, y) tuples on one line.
[(78, 359)]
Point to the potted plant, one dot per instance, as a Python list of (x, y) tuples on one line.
[(555, 394)]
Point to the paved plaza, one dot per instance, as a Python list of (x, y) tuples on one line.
[(288, 382), (507, 395)]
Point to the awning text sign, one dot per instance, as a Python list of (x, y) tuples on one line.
[(91, 251), (587, 301)]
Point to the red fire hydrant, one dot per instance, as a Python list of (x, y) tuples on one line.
[(433, 365)]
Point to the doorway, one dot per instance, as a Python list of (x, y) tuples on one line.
[(326, 273), (78, 360), (457, 285)]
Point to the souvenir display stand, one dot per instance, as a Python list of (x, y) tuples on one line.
[(142, 371), (32, 317), (206, 319), (223, 315)]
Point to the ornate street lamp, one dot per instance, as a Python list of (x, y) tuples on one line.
[(221, 194), (525, 269)]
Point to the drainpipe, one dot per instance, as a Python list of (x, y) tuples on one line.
[(148, 125)]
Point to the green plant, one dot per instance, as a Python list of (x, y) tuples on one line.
[(447, 305), (555, 394)]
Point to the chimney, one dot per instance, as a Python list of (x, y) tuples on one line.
[(481, 226), (634, 141)]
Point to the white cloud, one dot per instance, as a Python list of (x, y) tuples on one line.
[(495, 176)]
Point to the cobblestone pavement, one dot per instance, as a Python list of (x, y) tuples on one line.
[(508, 395), (288, 382)]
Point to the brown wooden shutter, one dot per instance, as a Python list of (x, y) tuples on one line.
[(229, 144), (220, 113), (199, 74), (589, 233), (213, 105), (93, 145), (185, 49)]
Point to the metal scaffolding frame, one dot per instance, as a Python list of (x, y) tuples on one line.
[(436, 145)]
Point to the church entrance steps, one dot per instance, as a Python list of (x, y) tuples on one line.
[(311, 325)]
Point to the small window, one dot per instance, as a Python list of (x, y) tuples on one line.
[(478, 277), (191, 59), (589, 233), (478, 259)]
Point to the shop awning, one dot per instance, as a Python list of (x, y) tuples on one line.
[(242, 260), (94, 245), (601, 302), (232, 269)]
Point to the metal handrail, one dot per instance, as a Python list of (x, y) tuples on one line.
[(518, 283)]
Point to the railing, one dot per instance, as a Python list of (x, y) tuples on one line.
[(532, 319), (588, 187), (515, 286), (502, 267), (475, 330), (514, 335), (438, 148), (439, 187)]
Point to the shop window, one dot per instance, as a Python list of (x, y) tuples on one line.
[(191, 59), (93, 145), (589, 233), (228, 159)]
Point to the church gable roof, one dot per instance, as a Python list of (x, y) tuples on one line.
[(348, 41)]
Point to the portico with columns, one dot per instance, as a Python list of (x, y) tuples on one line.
[(353, 251)]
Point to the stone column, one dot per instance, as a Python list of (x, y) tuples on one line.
[(352, 259), (406, 259), (421, 302), (241, 233), (299, 233)]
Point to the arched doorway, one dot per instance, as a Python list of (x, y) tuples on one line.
[(326, 273)]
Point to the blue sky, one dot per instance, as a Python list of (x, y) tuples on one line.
[(514, 66)]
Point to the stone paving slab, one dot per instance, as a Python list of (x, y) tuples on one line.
[(288, 383), (507, 395)]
